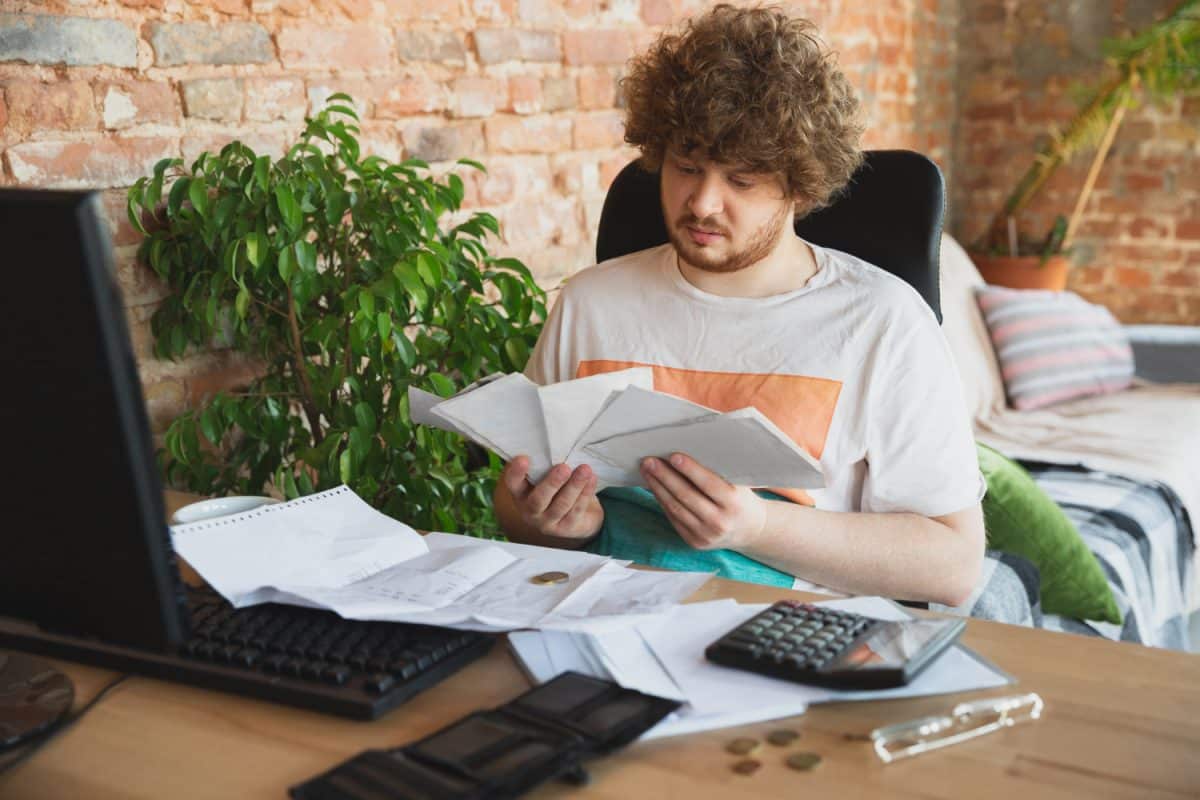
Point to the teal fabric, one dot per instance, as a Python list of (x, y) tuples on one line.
[(636, 529)]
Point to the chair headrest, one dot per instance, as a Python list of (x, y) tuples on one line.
[(890, 215)]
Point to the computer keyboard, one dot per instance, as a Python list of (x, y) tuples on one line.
[(372, 665), (297, 656)]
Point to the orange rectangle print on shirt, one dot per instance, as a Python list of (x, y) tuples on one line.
[(801, 406)]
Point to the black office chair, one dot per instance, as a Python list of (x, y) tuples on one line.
[(890, 215)]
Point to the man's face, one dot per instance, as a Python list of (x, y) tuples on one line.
[(721, 218)]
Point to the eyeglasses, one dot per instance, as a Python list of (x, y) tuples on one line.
[(965, 721)]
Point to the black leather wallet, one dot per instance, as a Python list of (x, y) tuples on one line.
[(545, 733)]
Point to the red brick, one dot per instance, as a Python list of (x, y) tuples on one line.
[(575, 175), (1148, 228), (269, 99), (437, 142), (609, 168), (234, 8), (1087, 276), (221, 99), (582, 47), (1187, 228), (444, 11), (511, 178), (165, 399), (581, 9), (476, 97), (603, 130), (271, 142), (524, 94), (131, 102), (100, 163), (1131, 277), (356, 9), (59, 106), (597, 89), (1149, 254), (412, 95), (548, 14), (1152, 307), (494, 10), (657, 12), (232, 375), (1142, 181), (1182, 278), (312, 46), (123, 233), (558, 94), (542, 134)]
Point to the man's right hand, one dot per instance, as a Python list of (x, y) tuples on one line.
[(563, 505)]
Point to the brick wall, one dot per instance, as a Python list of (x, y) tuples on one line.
[(1138, 251), (92, 94)]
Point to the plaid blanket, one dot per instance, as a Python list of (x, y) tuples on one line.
[(1143, 539)]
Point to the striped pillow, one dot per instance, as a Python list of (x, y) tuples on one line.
[(1054, 346)]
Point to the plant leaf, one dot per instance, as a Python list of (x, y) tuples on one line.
[(306, 256), (289, 209)]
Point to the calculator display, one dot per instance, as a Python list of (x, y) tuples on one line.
[(891, 645)]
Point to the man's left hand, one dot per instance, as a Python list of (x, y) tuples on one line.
[(707, 511)]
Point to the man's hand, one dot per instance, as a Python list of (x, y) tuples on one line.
[(707, 511), (563, 505)]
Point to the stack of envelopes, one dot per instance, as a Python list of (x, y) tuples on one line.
[(611, 422)]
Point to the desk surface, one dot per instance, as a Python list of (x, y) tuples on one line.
[(1121, 720)]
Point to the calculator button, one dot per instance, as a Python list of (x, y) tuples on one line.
[(743, 647)]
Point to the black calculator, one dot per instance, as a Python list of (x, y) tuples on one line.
[(825, 647)]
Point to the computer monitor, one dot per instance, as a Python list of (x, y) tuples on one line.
[(85, 548), (87, 570)]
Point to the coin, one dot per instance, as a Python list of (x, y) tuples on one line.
[(742, 747), (782, 737), (550, 577), (747, 766), (803, 761)]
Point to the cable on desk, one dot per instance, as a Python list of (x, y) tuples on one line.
[(37, 744)]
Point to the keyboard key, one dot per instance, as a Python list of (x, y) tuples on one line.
[(379, 682), (337, 674)]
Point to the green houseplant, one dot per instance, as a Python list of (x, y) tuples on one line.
[(340, 277), (1157, 63)]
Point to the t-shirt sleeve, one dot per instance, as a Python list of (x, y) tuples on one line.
[(921, 455), (545, 362)]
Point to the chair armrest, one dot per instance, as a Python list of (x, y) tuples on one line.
[(1166, 353)]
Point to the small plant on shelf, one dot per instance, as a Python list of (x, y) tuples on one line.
[(340, 278)]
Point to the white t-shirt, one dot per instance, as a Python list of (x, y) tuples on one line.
[(852, 366)]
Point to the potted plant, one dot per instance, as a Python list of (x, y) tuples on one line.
[(1158, 62), (341, 278)]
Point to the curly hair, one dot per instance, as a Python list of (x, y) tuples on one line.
[(752, 87)]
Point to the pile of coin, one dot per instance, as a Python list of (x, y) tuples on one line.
[(746, 746)]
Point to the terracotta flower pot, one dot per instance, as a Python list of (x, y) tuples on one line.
[(1024, 272)]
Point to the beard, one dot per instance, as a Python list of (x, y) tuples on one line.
[(761, 243)]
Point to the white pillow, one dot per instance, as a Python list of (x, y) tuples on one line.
[(963, 326)]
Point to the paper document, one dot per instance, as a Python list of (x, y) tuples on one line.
[(665, 656), (611, 422), (332, 550)]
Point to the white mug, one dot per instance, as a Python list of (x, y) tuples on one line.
[(218, 507)]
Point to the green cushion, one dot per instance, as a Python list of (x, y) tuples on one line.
[(1022, 519)]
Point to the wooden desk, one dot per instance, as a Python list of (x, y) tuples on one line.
[(1121, 720)]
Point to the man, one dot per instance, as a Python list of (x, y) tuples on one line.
[(751, 124)]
